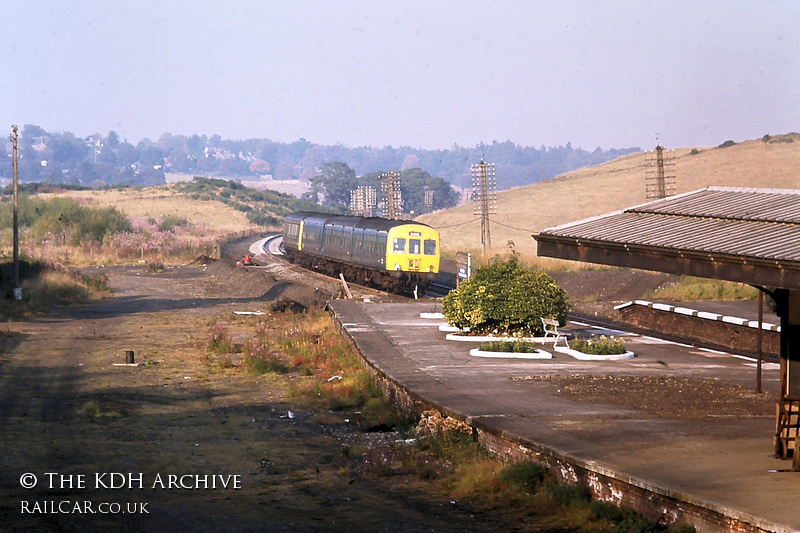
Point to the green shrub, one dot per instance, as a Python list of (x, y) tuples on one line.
[(97, 224), (62, 217), (91, 410), (726, 144), (156, 267), (98, 282), (505, 297), (525, 474), (569, 495), (171, 222), (255, 217), (266, 364)]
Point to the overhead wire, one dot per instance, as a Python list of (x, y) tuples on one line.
[(456, 225), (511, 227)]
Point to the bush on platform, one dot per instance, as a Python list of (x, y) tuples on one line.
[(505, 298)]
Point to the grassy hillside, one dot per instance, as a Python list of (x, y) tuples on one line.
[(220, 206), (169, 223), (772, 163), (163, 201)]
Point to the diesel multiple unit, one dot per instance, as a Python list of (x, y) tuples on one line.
[(395, 255)]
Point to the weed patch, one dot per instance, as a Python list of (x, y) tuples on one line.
[(323, 373), (156, 267), (91, 410), (220, 342), (453, 459), (690, 289)]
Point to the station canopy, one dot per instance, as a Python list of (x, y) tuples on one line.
[(737, 234)]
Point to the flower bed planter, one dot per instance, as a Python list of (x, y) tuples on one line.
[(592, 357), (538, 354)]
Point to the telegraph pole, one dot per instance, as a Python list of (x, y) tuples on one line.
[(484, 194), (15, 164)]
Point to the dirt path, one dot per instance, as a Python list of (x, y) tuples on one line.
[(178, 416)]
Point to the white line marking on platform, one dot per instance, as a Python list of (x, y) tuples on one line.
[(709, 350), (753, 359), (646, 339), (616, 331), (765, 366), (711, 355)]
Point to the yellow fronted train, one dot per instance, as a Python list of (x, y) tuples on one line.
[(395, 255)]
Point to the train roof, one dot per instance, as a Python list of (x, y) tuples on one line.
[(373, 223)]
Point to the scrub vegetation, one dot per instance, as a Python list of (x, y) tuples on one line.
[(689, 289), (322, 374), (167, 224)]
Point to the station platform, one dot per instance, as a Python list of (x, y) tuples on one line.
[(716, 473)]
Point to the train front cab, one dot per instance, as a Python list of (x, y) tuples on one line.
[(293, 231), (413, 248)]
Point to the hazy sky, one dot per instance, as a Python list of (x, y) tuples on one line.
[(426, 74)]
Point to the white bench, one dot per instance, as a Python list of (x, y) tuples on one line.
[(551, 333)]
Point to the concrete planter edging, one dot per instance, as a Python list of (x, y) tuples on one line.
[(592, 357), (538, 354)]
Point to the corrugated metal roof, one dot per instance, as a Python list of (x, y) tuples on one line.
[(765, 240), (757, 223), (768, 205)]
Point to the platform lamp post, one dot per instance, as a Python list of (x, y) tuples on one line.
[(14, 161)]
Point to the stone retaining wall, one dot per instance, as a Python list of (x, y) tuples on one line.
[(731, 333)]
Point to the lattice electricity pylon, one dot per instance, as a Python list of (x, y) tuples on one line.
[(390, 191), (484, 198), (659, 184), (428, 201), (363, 201)]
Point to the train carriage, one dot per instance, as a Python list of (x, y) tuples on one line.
[(395, 255)]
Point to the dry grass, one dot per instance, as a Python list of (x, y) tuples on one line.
[(614, 185), (49, 288), (160, 202), (146, 208)]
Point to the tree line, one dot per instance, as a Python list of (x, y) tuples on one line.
[(335, 181), (108, 160)]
